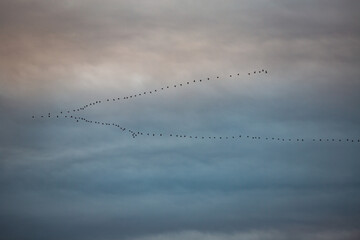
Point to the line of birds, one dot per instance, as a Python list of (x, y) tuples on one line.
[(135, 134), (138, 133), (91, 104)]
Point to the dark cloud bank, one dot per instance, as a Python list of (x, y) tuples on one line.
[(61, 180)]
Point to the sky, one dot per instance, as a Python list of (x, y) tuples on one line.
[(62, 179)]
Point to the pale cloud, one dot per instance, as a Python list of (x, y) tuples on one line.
[(65, 180), (256, 235)]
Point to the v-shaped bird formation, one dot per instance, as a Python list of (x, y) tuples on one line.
[(70, 114)]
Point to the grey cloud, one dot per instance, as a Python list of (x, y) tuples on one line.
[(256, 235), (61, 179)]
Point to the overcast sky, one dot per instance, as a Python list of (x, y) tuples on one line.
[(60, 179)]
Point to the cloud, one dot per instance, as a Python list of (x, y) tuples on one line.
[(256, 235), (60, 179)]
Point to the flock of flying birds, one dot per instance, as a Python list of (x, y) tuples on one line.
[(67, 114)]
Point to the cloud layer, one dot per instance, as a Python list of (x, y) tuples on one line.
[(59, 179)]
